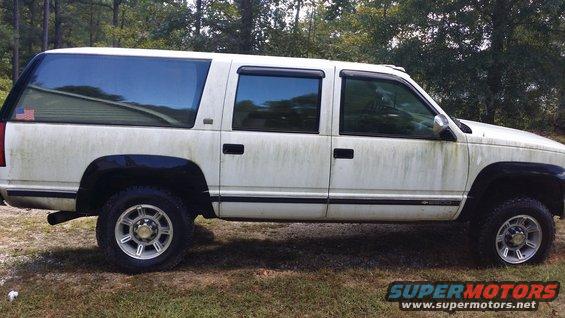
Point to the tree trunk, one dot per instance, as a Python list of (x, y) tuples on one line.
[(496, 67), (45, 38), (16, 48), (32, 22), (122, 20), (560, 118), (310, 30), (297, 14), (197, 42), (115, 20), (91, 24), (198, 22), (246, 30), (58, 25)]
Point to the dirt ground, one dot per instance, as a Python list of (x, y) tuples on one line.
[(246, 269)]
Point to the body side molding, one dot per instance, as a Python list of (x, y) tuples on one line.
[(305, 200), (41, 193)]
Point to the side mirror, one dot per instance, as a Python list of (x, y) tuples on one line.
[(441, 128), (441, 124)]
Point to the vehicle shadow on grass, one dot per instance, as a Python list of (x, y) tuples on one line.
[(306, 247), (355, 246)]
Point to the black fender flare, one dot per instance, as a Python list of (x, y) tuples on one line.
[(496, 171), (184, 177)]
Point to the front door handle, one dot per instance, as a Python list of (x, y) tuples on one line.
[(341, 153), (233, 149)]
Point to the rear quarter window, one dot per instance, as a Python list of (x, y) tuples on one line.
[(118, 90)]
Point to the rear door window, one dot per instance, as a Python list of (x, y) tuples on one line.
[(277, 104), (119, 90)]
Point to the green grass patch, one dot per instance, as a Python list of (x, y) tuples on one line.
[(249, 296)]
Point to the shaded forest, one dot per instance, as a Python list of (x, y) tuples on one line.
[(497, 61)]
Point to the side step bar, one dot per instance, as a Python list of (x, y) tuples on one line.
[(62, 216)]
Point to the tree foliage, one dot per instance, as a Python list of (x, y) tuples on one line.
[(499, 61)]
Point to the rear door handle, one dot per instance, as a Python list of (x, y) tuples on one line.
[(233, 149), (341, 153)]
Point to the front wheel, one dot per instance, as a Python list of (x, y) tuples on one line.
[(517, 231), (144, 229)]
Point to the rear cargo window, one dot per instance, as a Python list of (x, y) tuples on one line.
[(119, 90)]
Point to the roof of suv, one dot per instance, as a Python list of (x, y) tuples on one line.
[(384, 68)]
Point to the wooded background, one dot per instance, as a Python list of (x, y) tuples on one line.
[(497, 61)]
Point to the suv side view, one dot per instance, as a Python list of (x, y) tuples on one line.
[(147, 140)]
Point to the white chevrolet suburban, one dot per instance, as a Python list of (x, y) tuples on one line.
[(147, 140)]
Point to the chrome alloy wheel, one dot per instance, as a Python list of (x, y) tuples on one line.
[(518, 239), (143, 231)]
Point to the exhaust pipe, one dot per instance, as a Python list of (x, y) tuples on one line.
[(62, 216)]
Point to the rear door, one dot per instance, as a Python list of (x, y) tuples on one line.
[(275, 160)]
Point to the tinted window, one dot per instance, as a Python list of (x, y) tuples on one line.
[(114, 90), (284, 104), (380, 107)]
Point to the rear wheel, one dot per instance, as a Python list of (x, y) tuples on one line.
[(144, 229), (517, 231)]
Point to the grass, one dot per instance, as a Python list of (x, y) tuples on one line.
[(244, 269)]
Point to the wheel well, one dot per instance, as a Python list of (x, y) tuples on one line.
[(546, 190), (503, 180), (109, 175)]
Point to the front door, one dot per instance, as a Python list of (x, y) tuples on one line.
[(387, 163), (275, 138)]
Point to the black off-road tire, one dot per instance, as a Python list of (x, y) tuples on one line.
[(484, 231), (182, 222)]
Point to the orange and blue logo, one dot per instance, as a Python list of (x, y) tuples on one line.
[(453, 296)]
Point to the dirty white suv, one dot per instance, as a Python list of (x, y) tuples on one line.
[(148, 140)]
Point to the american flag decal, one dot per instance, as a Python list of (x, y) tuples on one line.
[(25, 113)]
